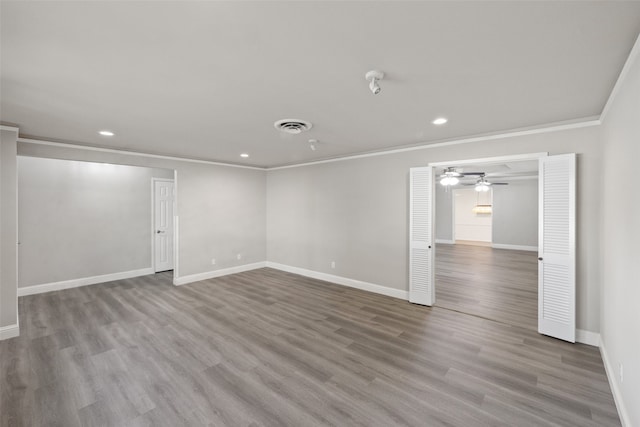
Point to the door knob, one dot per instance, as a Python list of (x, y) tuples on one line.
[(540, 259), (159, 231)]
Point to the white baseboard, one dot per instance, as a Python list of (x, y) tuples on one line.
[(217, 273), (514, 247), (625, 420), (446, 241), (83, 281), (365, 286), (10, 331), (588, 337)]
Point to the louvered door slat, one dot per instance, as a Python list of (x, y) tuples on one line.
[(556, 270), (421, 274)]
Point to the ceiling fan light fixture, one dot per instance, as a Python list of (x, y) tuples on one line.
[(482, 187), (448, 180)]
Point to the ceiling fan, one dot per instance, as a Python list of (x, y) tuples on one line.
[(482, 185), (451, 176)]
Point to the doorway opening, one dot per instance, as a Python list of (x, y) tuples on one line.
[(486, 230), (470, 225), (556, 237)]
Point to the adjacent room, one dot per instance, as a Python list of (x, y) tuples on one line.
[(487, 241), (301, 213)]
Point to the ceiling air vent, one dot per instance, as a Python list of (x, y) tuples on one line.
[(292, 126)]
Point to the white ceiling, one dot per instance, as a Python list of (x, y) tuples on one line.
[(208, 79)]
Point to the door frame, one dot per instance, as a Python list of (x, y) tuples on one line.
[(175, 219), (486, 160)]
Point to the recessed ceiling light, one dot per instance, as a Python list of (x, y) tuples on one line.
[(106, 133), (439, 121), (245, 155)]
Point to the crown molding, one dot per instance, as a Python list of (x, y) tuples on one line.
[(635, 51), (587, 122), (551, 128), (10, 128), (131, 153)]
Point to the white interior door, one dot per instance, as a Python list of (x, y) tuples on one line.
[(163, 196), (421, 247), (556, 253)]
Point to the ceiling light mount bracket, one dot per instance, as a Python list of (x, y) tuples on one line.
[(373, 77)]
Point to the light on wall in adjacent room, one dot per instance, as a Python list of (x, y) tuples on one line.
[(106, 133), (482, 209), (244, 155), (440, 121)]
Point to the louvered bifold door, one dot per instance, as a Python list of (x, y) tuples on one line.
[(421, 252), (556, 247)]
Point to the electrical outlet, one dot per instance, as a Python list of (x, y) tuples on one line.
[(621, 372), (333, 264), (213, 261), (239, 256)]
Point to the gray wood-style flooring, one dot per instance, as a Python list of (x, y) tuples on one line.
[(497, 284), (270, 348)]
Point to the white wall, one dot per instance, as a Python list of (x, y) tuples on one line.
[(469, 225), (8, 235), (221, 209), (620, 329), (515, 214), (82, 219), (354, 211), (444, 214)]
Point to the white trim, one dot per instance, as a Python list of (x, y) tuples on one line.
[(131, 153), (625, 419), (635, 51), (176, 272), (446, 241), (153, 219), (552, 128), (176, 254), (365, 286), (514, 247), (496, 159), (588, 337), (83, 281), (10, 331), (10, 128), (178, 281)]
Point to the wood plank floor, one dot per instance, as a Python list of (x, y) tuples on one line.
[(497, 284), (271, 348)]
